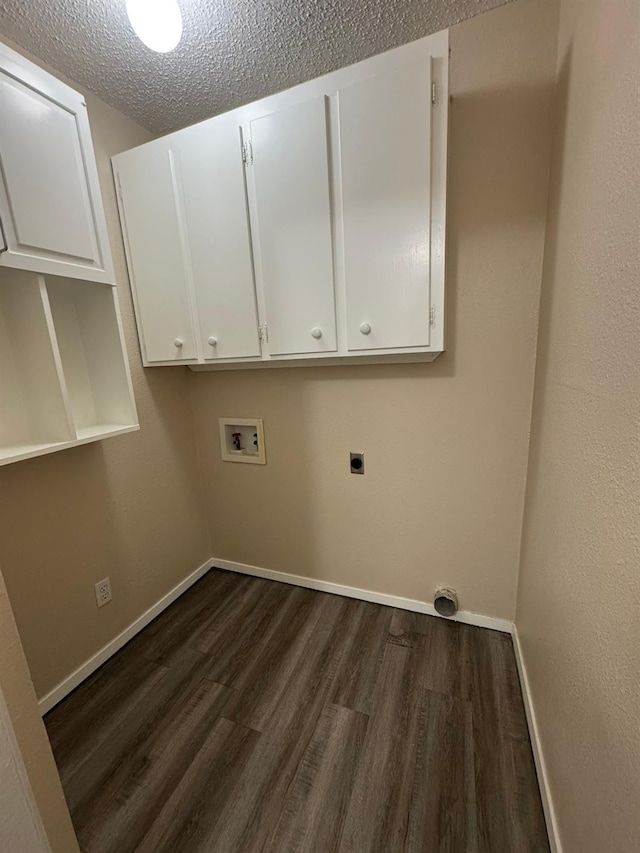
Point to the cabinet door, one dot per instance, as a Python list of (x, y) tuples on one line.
[(154, 230), (50, 204), (215, 204), (385, 152), (292, 234)]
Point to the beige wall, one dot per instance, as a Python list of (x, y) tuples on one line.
[(579, 597), (445, 443), (129, 507)]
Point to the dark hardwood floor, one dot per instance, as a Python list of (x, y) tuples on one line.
[(256, 716)]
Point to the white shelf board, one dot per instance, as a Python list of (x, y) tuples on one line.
[(89, 433), (18, 452)]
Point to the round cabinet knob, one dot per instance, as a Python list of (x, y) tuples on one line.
[(212, 341), (178, 343), (316, 333), (365, 328)]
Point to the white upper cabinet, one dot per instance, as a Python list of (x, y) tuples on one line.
[(385, 157), (51, 214), (217, 222), (305, 227), (184, 210), (289, 175), (147, 184)]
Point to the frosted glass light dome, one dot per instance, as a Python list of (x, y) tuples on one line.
[(157, 23)]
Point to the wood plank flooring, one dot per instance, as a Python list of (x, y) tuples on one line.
[(256, 716)]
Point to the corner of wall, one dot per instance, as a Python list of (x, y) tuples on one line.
[(20, 698), (555, 119)]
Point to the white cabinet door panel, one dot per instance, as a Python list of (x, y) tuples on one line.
[(215, 204), (147, 185), (292, 234), (50, 204), (385, 145)]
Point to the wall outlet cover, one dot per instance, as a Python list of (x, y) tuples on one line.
[(103, 592), (356, 463)]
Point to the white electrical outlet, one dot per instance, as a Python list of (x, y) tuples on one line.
[(103, 592)]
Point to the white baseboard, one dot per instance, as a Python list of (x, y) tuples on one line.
[(538, 756), (78, 676), (365, 595)]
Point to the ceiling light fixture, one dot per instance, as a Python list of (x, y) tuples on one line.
[(157, 23)]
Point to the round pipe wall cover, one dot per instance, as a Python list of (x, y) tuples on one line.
[(445, 601)]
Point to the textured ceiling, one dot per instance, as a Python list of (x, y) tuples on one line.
[(232, 51)]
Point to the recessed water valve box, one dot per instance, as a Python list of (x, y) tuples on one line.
[(242, 440)]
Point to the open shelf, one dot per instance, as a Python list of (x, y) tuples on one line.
[(93, 360), (64, 378), (33, 415)]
